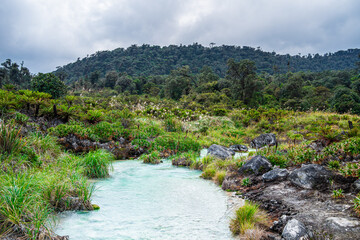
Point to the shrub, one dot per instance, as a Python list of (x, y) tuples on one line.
[(334, 165), (247, 217), (172, 125), (246, 182), (152, 158), (97, 163), (356, 202), (94, 116), (338, 193), (21, 118)]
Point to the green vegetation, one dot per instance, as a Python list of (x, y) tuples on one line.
[(175, 112), (248, 217), (338, 193), (97, 164)]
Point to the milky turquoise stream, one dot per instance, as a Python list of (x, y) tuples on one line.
[(141, 201)]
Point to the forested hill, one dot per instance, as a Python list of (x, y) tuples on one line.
[(156, 60)]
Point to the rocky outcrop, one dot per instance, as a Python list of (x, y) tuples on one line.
[(238, 148), (278, 174), (311, 176), (267, 139), (220, 152), (120, 149), (295, 230), (256, 165)]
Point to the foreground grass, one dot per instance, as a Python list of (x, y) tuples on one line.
[(248, 220), (39, 179)]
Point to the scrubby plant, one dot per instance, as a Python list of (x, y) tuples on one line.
[(94, 116), (21, 118), (152, 158), (247, 217), (97, 163), (356, 203), (338, 193), (350, 169), (246, 182), (334, 164)]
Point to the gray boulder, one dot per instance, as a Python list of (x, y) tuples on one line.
[(356, 185), (257, 165), (276, 174), (220, 152), (311, 176), (239, 148), (295, 230), (267, 139)]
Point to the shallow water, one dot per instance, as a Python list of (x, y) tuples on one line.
[(141, 201)]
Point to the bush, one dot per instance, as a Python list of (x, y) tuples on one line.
[(94, 116), (152, 158), (97, 163)]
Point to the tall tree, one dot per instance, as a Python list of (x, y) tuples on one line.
[(243, 77)]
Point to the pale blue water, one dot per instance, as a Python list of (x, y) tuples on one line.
[(141, 201)]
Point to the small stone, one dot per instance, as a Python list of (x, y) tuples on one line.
[(295, 230), (356, 185)]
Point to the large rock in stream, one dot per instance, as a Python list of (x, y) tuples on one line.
[(257, 165), (220, 152), (311, 176), (295, 230)]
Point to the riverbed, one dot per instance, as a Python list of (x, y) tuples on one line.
[(142, 201)]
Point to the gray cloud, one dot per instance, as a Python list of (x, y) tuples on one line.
[(46, 34)]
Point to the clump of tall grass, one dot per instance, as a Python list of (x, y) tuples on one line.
[(248, 217), (22, 209), (10, 139), (97, 164)]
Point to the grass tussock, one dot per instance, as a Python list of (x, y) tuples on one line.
[(97, 164), (248, 217)]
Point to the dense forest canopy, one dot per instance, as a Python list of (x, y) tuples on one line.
[(205, 78), (155, 60)]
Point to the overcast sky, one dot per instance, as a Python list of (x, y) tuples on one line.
[(49, 33)]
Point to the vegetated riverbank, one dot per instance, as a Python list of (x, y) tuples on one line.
[(130, 126)]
